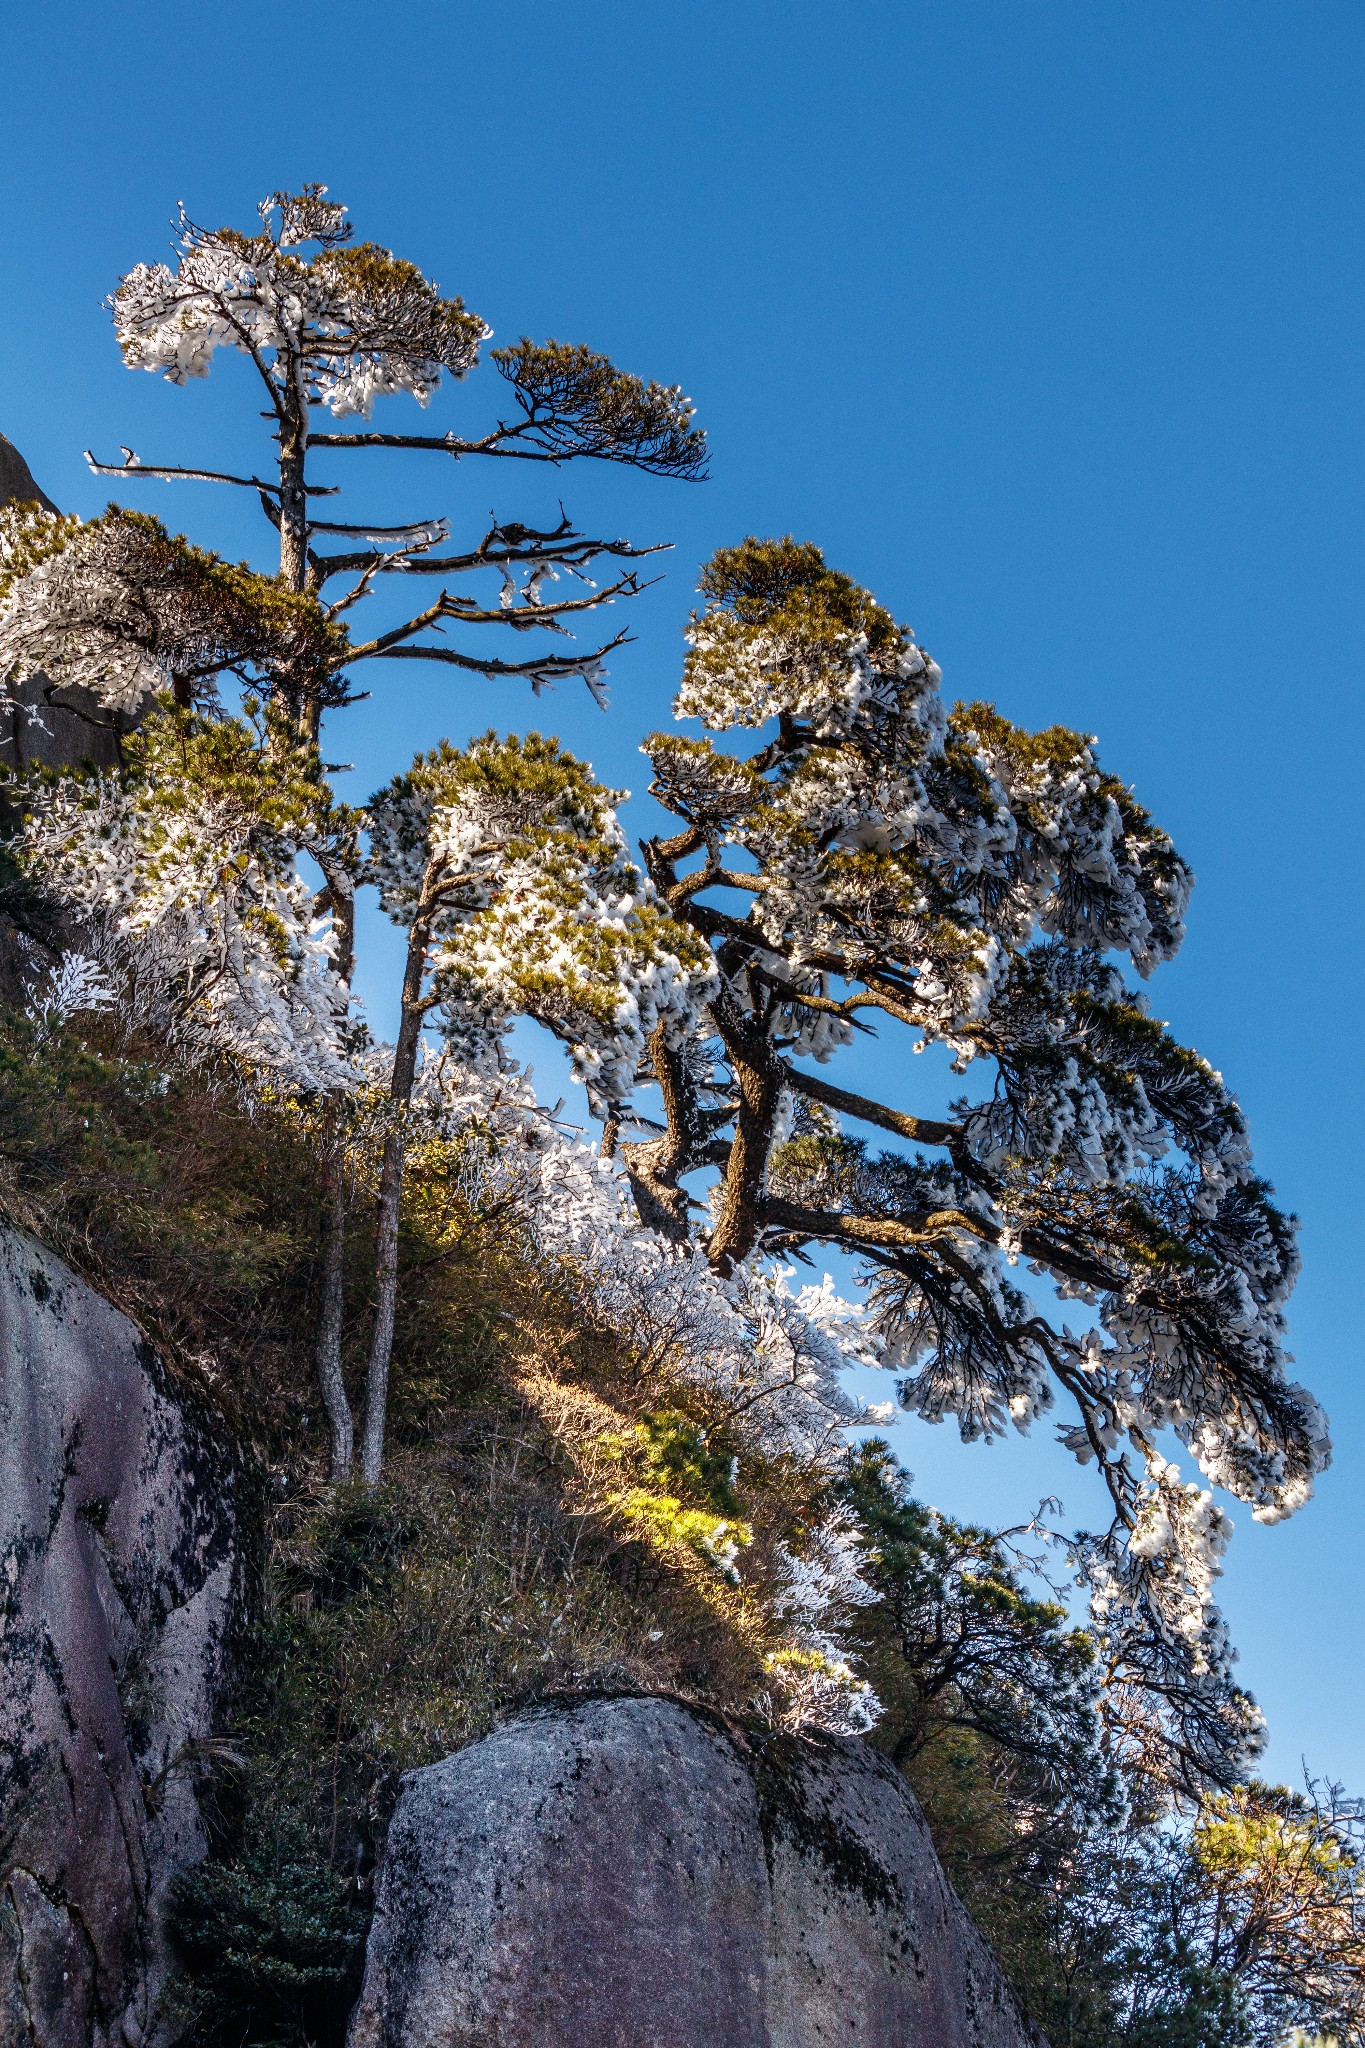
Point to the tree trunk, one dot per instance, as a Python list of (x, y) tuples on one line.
[(390, 1203), (338, 872), (306, 689), (331, 1315), (654, 1165), (332, 1384), (293, 494), (759, 1081)]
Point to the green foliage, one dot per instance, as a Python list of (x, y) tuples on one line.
[(677, 1448), (579, 402), (786, 584), (181, 766), (688, 1496), (959, 1641), (29, 535), (361, 299), (1034, 761), (189, 1210), (271, 1939), (1118, 1927), (239, 615), (530, 788), (122, 587), (510, 849), (545, 1494)]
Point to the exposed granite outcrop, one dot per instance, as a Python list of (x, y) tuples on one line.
[(17, 486), (118, 1589), (627, 1873)]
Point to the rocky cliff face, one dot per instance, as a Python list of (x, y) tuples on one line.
[(629, 1874), (618, 1873), (17, 486), (118, 1564)]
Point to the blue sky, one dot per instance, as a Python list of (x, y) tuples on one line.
[(1044, 321)]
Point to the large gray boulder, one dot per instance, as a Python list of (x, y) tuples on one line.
[(118, 1571), (627, 1873)]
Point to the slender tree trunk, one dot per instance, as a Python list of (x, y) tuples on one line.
[(341, 1428), (293, 493), (307, 711), (390, 1202), (295, 569), (331, 1315), (339, 875)]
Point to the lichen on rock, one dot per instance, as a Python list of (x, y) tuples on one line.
[(119, 1562), (627, 1872)]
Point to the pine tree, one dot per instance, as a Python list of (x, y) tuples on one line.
[(332, 332), (505, 864), (125, 609), (881, 859)]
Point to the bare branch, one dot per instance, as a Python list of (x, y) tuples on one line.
[(132, 466), (919, 1129), (446, 444), (502, 547), (572, 554), (417, 531), (885, 1233), (522, 618), (549, 668)]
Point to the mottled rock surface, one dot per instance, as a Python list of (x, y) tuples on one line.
[(630, 1874), (117, 1593)]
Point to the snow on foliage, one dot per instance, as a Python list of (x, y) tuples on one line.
[(878, 858), (75, 985), (359, 322), (125, 610), (184, 874), (939, 869), (769, 1360), (511, 853), (772, 1360)]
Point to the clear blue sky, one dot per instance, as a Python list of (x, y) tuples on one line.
[(1045, 321)]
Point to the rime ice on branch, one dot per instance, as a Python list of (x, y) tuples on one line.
[(129, 612), (331, 333), (951, 877), (184, 874), (507, 868)]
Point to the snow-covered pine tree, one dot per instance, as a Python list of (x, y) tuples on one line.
[(331, 332), (882, 859), (123, 608), (182, 877), (128, 611), (505, 864), (134, 615)]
